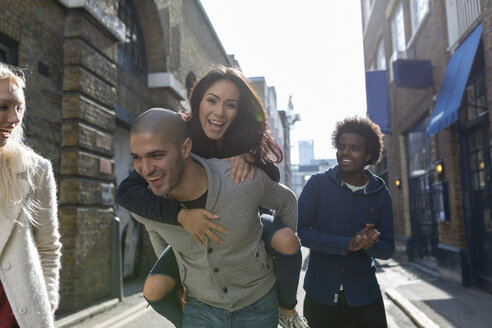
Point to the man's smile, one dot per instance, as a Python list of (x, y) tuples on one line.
[(155, 178)]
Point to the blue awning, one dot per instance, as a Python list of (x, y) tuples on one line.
[(453, 84), (377, 99)]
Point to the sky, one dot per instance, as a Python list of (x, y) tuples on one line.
[(309, 49)]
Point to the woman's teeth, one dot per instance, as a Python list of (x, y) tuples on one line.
[(216, 122), (5, 132)]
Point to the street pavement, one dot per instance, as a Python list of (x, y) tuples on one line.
[(412, 298), (431, 301), (134, 313)]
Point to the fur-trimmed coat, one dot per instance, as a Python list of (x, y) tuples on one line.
[(30, 250)]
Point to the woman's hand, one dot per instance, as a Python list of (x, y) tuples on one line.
[(241, 167), (197, 223)]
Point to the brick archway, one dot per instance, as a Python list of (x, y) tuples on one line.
[(154, 22)]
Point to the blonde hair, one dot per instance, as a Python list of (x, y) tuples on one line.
[(17, 160)]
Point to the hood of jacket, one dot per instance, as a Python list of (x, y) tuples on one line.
[(374, 185)]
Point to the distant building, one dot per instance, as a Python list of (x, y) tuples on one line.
[(306, 152), (302, 173), (276, 121), (288, 118)]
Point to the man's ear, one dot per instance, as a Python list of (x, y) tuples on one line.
[(186, 148)]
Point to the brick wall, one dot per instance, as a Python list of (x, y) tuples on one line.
[(86, 175), (155, 24), (74, 84), (408, 107), (446, 142), (200, 49), (486, 6), (34, 25)]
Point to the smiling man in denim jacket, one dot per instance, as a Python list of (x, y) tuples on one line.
[(346, 219)]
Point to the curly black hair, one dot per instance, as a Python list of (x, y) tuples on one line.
[(369, 130)]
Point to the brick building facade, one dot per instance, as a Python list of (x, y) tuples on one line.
[(427, 49), (92, 66)]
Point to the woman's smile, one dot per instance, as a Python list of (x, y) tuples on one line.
[(218, 109)]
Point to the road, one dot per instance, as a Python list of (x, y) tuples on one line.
[(134, 313)]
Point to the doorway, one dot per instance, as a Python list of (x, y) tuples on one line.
[(425, 234), (477, 197), (130, 230)]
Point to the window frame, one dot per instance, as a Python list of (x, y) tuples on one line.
[(367, 7), (419, 150), (131, 52), (381, 56), (474, 103), (398, 29), (10, 48), (417, 14)]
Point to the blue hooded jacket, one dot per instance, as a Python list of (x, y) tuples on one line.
[(329, 215)]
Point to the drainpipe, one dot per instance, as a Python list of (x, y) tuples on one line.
[(116, 284)]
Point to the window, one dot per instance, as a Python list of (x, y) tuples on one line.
[(419, 9), (398, 30), (8, 50), (474, 107), (397, 37), (3, 53), (367, 6), (460, 15), (131, 53), (419, 150), (474, 102), (381, 57), (190, 82), (476, 160)]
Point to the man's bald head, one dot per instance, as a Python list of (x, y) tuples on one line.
[(163, 123)]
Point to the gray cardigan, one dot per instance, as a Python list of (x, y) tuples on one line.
[(239, 272)]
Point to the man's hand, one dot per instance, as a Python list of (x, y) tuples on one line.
[(365, 238), (241, 167), (354, 244), (197, 223), (368, 236)]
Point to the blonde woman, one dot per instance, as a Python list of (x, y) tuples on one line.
[(29, 238)]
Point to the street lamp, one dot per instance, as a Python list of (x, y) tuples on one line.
[(398, 182), (439, 166)]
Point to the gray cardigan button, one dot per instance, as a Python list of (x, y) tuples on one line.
[(7, 266), (22, 311), (225, 290)]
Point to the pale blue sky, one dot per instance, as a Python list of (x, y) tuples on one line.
[(310, 49)]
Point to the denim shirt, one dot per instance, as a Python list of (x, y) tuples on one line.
[(329, 215)]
